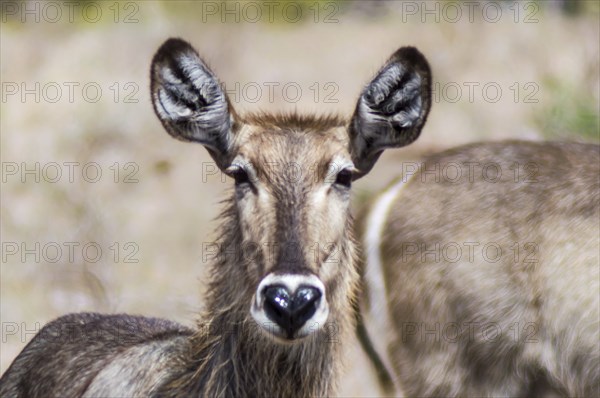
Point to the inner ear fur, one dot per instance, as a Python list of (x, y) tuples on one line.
[(391, 109), (189, 101)]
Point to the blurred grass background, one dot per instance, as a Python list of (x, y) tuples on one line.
[(544, 56)]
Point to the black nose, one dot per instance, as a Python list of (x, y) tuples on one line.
[(290, 312)]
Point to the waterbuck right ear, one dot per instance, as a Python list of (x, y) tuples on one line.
[(392, 109), (189, 101)]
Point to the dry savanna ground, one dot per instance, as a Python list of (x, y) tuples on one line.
[(102, 211)]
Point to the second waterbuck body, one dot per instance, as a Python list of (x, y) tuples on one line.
[(281, 293)]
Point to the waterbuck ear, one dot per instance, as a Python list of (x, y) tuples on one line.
[(392, 109), (189, 101)]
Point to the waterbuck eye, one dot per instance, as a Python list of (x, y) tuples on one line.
[(238, 174), (344, 178)]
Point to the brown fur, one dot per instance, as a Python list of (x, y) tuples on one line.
[(540, 305)]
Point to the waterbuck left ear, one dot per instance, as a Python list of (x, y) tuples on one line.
[(189, 101), (392, 109)]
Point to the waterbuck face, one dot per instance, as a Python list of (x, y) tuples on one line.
[(292, 178)]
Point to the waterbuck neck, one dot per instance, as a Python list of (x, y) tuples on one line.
[(232, 356)]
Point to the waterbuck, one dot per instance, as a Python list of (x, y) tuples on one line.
[(282, 288), (482, 267)]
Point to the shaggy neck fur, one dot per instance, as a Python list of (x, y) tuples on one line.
[(231, 356)]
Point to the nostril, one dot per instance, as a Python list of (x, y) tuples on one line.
[(305, 303), (305, 296), (278, 305)]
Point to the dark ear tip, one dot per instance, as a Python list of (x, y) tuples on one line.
[(172, 47), (411, 56)]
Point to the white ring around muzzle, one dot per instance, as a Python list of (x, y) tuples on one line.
[(291, 282)]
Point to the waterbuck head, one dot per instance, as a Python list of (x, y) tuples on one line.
[(289, 212)]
